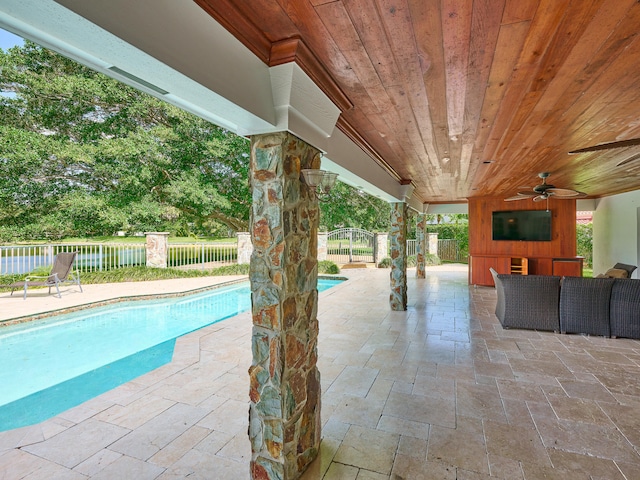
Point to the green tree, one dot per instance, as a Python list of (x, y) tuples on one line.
[(349, 207), (584, 237), (82, 154), (108, 156), (453, 226)]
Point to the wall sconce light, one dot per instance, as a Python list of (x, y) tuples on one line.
[(319, 181)]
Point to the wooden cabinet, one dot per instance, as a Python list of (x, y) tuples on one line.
[(479, 265), (567, 267), (542, 258)]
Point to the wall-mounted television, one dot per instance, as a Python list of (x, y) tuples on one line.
[(522, 225)]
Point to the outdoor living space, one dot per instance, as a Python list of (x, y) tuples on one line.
[(440, 391)]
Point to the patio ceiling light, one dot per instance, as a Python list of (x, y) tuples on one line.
[(320, 182)]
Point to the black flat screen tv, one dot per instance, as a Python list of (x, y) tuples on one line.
[(522, 225)]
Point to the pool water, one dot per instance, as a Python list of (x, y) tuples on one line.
[(49, 366)]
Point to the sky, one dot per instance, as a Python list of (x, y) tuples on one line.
[(8, 40)]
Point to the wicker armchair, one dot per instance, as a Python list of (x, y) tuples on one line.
[(625, 308), (528, 301), (584, 305)]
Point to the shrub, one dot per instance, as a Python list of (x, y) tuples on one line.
[(327, 267), (132, 274), (432, 259), (429, 259), (232, 270), (385, 263)]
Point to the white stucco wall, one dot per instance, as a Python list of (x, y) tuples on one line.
[(615, 231)]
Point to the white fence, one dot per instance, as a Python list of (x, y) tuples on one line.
[(92, 257), (448, 249), (202, 255), (412, 247)]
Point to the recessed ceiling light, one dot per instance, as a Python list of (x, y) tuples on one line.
[(487, 162)]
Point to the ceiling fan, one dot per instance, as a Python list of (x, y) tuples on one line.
[(545, 190)]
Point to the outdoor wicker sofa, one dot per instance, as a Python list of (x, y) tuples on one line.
[(608, 307)]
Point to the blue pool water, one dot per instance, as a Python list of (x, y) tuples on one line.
[(51, 365)]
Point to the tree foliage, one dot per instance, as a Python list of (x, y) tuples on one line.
[(349, 207), (584, 237), (82, 154)]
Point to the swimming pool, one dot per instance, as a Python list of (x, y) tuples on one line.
[(48, 366)]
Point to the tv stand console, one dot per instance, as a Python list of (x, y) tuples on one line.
[(479, 265)]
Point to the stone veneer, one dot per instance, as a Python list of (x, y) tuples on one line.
[(398, 246), (421, 245), (284, 411)]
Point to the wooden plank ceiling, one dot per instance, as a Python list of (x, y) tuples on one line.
[(467, 98)]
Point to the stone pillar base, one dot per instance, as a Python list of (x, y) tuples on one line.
[(245, 247), (157, 247)]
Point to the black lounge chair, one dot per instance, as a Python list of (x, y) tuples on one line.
[(61, 272)]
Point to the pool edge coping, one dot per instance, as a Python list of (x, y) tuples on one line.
[(120, 299), (134, 298)]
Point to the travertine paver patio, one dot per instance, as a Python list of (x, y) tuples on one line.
[(438, 392)]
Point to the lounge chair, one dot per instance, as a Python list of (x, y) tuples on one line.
[(61, 272)]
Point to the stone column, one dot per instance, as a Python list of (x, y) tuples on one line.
[(433, 243), (323, 241), (245, 247), (157, 247), (284, 409), (398, 236), (421, 245), (381, 241)]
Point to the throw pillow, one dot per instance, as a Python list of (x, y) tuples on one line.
[(616, 273), (624, 266)]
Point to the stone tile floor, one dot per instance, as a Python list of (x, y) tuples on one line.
[(439, 392)]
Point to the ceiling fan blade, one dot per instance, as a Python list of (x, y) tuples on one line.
[(516, 197), (563, 192), (632, 142), (630, 159), (527, 194)]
